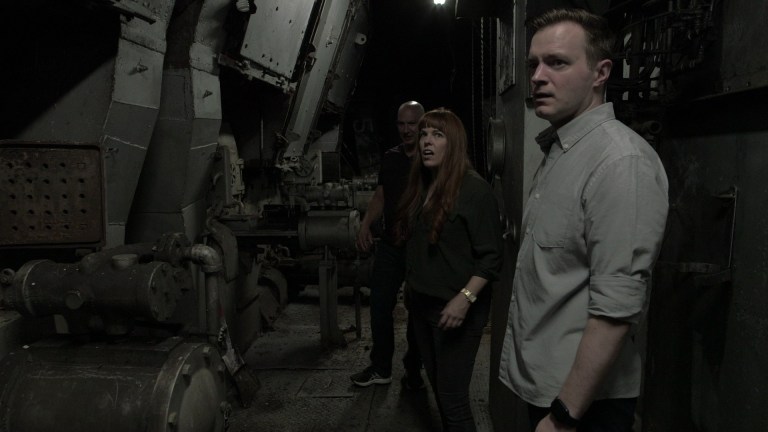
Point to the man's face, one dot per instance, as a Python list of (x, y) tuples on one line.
[(562, 79), (407, 126)]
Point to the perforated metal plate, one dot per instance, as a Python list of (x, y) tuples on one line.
[(50, 194)]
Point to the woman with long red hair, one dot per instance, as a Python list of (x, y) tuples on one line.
[(449, 220)]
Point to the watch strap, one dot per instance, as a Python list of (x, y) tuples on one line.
[(469, 295), (562, 415)]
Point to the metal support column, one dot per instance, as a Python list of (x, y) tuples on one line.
[(330, 334)]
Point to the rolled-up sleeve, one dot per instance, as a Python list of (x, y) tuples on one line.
[(625, 209)]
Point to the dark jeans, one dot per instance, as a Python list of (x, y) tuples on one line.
[(449, 355), (386, 278), (605, 415)]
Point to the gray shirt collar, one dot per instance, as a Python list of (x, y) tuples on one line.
[(573, 131)]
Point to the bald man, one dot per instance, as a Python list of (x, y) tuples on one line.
[(389, 265)]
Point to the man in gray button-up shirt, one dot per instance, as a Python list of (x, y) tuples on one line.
[(593, 225)]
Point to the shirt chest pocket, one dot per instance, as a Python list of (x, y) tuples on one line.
[(554, 221), (455, 226)]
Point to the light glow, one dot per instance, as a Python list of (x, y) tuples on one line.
[(438, 2)]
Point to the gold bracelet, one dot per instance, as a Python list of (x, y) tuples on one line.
[(469, 295)]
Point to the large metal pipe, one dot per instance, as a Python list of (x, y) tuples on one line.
[(210, 264), (137, 387), (114, 284), (334, 228)]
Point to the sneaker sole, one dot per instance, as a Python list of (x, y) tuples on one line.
[(373, 381)]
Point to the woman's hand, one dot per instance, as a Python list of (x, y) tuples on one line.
[(454, 312)]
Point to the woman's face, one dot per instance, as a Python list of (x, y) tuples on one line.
[(433, 145)]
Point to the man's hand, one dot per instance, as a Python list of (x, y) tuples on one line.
[(548, 424), (364, 238)]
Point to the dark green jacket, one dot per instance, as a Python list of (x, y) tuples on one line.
[(469, 245)]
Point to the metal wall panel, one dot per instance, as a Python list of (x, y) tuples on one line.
[(51, 194), (79, 114), (206, 98), (138, 74), (314, 85), (745, 38), (708, 325), (275, 33), (350, 58), (126, 136)]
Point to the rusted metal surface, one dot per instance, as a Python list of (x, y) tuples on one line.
[(118, 286), (165, 386), (50, 194)]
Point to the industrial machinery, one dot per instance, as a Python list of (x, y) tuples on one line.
[(164, 162), (173, 172)]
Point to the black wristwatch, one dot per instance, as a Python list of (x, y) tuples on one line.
[(561, 414)]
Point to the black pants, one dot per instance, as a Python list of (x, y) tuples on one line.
[(386, 278), (605, 415), (449, 356)]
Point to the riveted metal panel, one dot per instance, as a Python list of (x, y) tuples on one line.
[(275, 33), (50, 194), (350, 58), (138, 74), (206, 93), (315, 84)]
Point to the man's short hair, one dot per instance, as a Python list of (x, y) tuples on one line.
[(599, 37), (412, 105)]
